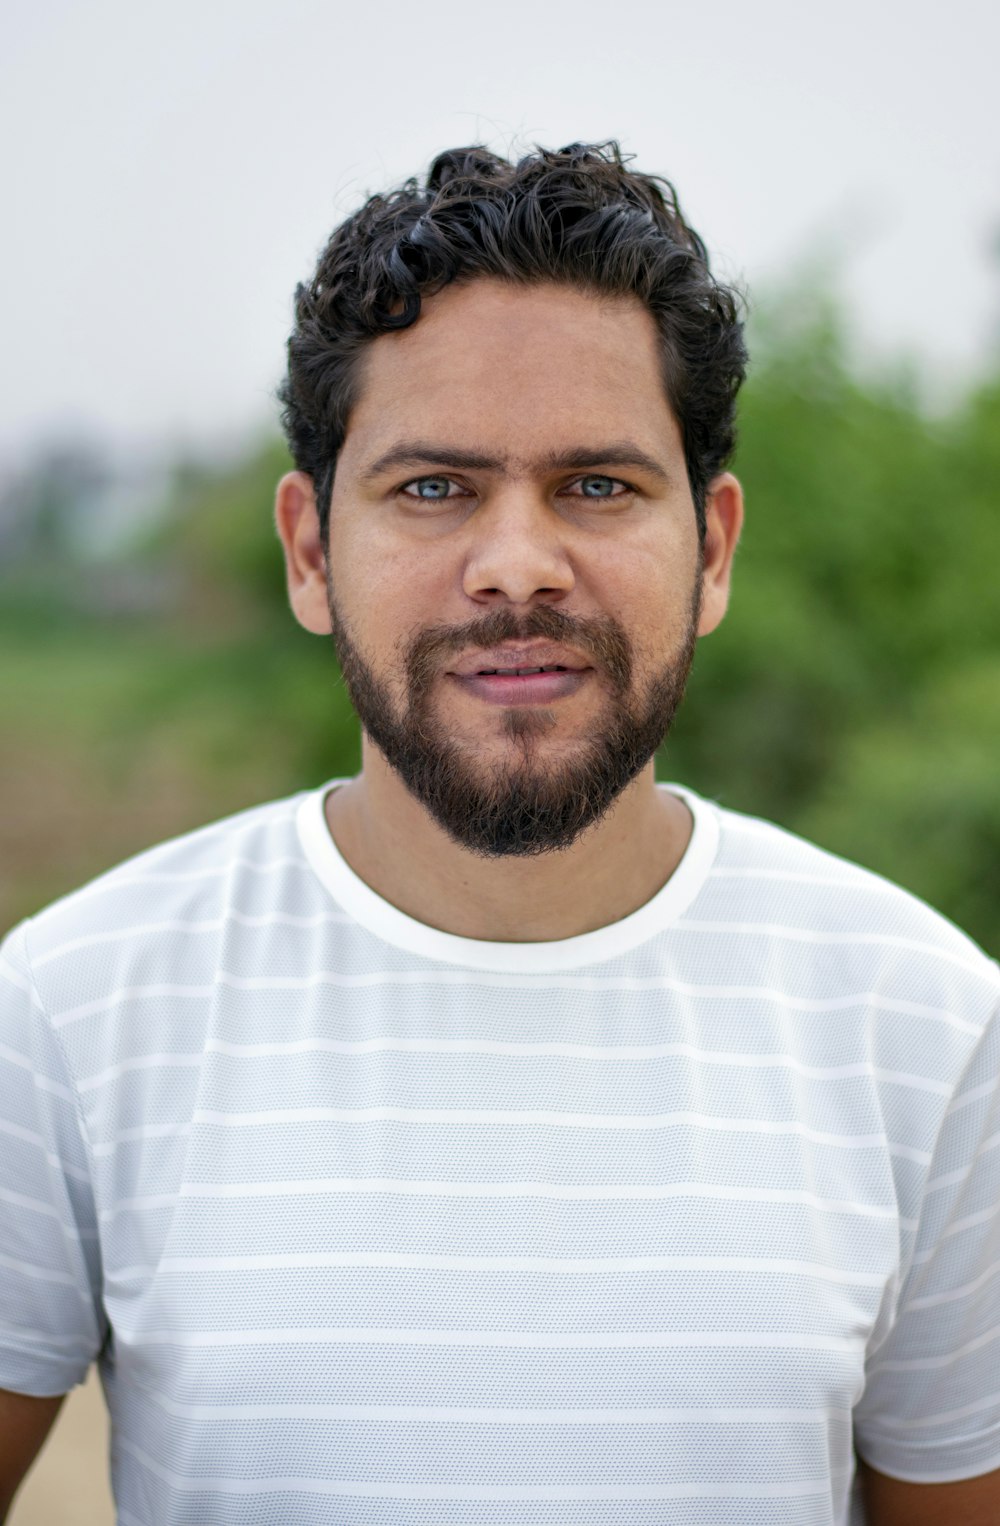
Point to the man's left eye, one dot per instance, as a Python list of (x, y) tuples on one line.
[(600, 487), (431, 489)]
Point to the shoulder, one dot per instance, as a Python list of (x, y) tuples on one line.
[(836, 916), (153, 916)]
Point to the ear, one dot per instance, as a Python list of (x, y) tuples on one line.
[(723, 523), (297, 522)]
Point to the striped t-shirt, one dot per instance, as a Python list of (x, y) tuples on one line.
[(370, 1224)]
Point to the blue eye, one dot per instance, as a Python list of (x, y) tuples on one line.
[(430, 488), (599, 487)]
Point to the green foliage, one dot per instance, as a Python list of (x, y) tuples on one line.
[(852, 693), (220, 537)]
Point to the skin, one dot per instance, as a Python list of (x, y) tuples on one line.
[(490, 368), (964, 1502), (514, 374), (25, 1421)]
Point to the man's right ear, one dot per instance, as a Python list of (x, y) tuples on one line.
[(296, 519)]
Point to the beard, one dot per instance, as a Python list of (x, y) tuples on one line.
[(525, 805)]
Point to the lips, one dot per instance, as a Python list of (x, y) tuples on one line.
[(514, 661), (518, 672), (533, 688)]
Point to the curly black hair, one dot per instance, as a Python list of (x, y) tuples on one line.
[(577, 215)]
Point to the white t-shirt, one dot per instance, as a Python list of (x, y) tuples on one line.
[(371, 1224)]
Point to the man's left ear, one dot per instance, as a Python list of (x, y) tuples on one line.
[(723, 523)]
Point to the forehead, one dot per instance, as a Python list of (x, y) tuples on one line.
[(517, 369)]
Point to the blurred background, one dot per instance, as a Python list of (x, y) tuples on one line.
[(172, 171)]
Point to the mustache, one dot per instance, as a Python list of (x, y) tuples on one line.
[(602, 639)]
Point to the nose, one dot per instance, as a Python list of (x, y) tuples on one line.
[(518, 552)]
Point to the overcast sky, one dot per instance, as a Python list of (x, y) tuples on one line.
[(173, 169)]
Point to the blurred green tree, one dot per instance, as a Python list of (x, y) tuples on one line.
[(853, 691)]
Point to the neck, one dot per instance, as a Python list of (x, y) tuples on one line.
[(393, 843)]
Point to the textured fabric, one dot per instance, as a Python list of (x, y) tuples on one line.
[(371, 1224)]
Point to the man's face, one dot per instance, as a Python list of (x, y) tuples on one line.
[(512, 494)]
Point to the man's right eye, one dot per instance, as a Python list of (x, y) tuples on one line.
[(430, 489)]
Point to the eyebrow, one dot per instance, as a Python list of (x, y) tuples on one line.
[(414, 453)]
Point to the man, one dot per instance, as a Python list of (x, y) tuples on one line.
[(498, 1136)]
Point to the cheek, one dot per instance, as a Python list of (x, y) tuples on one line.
[(387, 595), (649, 592), (372, 583)]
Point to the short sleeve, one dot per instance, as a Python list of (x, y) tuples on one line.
[(51, 1319), (930, 1410)]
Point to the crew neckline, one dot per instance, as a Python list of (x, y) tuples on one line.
[(396, 927)]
